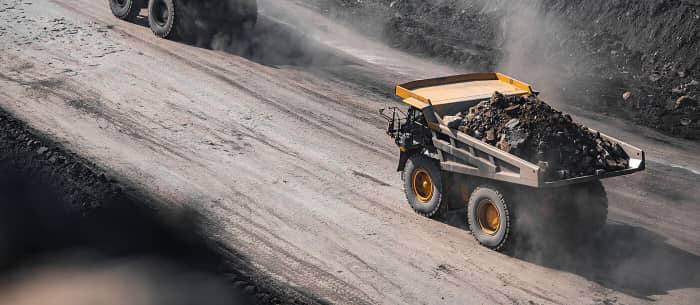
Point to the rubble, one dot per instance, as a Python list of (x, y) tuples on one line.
[(530, 129), (627, 95), (685, 101)]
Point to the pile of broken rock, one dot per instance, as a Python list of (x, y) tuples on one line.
[(532, 130)]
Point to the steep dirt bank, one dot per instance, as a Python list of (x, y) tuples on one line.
[(631, 59), (455, 31), (637, 59), (59, 214)]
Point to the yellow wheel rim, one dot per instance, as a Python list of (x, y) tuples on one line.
[(489, 217), (422, 184)]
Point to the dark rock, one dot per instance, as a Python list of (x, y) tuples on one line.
[(685, 101), (490, 135), (654, 77), (239, 284), (453, 121), (513, 123), (250, 289), (679, 90), (42, 150), (563, 173), (498, 99)]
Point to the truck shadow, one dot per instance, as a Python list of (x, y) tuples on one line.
[(625, 258), (621, 257)]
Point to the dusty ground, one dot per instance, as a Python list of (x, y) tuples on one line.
[(287, 159)]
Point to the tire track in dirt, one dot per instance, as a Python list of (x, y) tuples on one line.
[(210, 69), (88, 102)]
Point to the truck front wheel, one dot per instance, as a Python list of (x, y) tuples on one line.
[(126, 9), (489, 217), (423, 185)]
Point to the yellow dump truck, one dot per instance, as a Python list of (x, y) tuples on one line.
[(437, 161)]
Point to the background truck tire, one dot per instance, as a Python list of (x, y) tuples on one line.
[(126, 9), (489, 217), (164, 17), (422, 183)]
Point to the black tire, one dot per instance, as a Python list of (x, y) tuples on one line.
[(162, 18), (486, 234), (591, 202), (428, 204), (126, 9)]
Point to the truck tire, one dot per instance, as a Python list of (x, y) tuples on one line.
[(126, 9), (164, 18), (423, 185), (489, 217)]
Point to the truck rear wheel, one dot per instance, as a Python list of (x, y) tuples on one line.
[(162, 17), (423, 185), (126, 9), (489, 217)]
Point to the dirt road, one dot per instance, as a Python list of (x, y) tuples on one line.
[(283, 150)]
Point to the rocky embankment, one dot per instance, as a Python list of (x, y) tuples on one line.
[(635, 60)]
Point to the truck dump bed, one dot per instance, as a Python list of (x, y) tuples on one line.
[(461, 153), (459, 88)]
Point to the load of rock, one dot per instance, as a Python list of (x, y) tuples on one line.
[(532, 130)]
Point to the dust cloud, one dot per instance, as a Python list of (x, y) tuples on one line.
[(528, 37), (270, 41), (620, 256)]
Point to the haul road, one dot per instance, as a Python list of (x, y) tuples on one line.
[(289, 161)]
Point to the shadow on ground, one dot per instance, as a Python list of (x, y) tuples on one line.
[(66, 226), (41, 234), (625, 258)]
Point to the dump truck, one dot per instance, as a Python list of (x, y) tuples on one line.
[(444, 168), (180, 19)]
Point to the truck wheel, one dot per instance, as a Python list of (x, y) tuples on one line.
[(488, 217), (423, 185), (162, 17), (126, 9), (591, 203)]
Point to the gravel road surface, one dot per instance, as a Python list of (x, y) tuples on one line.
[(282, 149)]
